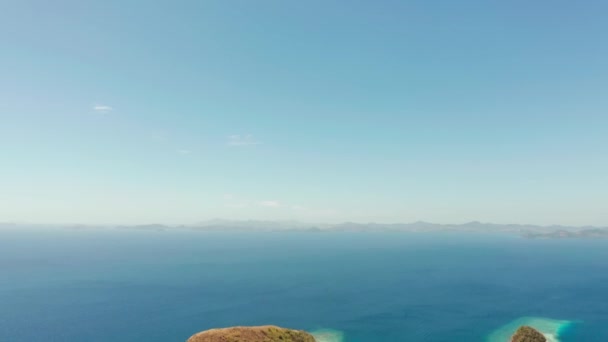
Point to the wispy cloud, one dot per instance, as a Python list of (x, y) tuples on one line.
[(276, 207), (102, 108), (270, 204), (183, 152), (236, 202), (242, 140)]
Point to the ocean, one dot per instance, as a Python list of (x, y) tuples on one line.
[(124, 285)]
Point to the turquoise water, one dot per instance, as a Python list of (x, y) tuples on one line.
[(165, 286), (552, 329), (328, 335)]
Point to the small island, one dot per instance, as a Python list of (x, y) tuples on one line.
[(267, 333), (528, 334)]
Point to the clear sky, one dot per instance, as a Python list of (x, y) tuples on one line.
[(319, 110)]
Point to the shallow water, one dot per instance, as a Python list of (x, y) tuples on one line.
[(551, 328)]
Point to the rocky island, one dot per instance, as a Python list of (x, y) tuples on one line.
[(267, 333), (528, 334), (271, 333)]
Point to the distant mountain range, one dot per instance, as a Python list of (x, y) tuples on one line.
[(523, 230)]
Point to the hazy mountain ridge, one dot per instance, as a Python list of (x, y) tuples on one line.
[(523, 230)]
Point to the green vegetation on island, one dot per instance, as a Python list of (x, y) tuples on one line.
[(268, 333), (528, 334)]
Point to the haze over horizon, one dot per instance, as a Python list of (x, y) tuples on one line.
[(127, 112), (218, 224)]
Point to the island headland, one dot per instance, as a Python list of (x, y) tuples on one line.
[(267, 333)]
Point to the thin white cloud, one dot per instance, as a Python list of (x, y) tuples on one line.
[(235, 202), (236, 205), (102, 108), (270, 204), (242, 140), (183, 152)]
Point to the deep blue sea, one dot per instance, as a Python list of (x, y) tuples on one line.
[(67, 285)]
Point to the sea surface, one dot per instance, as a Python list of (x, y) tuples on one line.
[(96, 285)]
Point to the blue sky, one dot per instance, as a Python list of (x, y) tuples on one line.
[(181, 111)]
